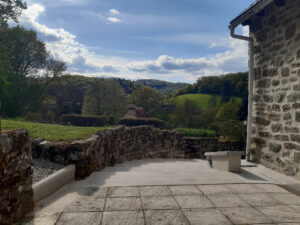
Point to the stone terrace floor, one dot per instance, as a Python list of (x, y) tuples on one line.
[(172, 192)]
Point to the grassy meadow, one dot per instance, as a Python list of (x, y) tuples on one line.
[(203, 101), (51, 132)]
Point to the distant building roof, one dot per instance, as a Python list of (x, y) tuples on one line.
[(253, 9)]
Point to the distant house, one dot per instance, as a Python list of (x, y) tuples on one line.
[(274, 83)]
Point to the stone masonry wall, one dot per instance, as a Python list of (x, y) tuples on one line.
[(16, 195), (121, 144), (276, 100)]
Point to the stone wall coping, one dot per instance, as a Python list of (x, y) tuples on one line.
[(52, 183)]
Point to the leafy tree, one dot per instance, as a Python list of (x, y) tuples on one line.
[(104, 97), (10, 9), (29, 70), (227, 123), (150, 99)]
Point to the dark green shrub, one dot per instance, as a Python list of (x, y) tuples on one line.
[(142, 121), (196, 132), (87, 121)]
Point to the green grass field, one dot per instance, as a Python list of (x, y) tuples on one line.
[(202, 100), (51, 132)]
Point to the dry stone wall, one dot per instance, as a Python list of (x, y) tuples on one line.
[(16, 195), (276, 100), (121, 144)]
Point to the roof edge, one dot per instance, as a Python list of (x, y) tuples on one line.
[(253, 9)]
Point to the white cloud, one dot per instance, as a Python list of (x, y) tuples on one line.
[(234, 59), (113, 20), (114, 12), (81, 59), (109, 19)]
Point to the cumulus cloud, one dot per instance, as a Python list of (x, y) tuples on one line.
[(113, 20), (108, 19), (114, 12), (63, 45), (234, 59)]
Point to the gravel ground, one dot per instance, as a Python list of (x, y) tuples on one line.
[(43, 168)]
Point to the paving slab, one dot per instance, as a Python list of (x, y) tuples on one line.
[(159, 202), (206, 217), (185, 190), (155, 191), (245, 215), (287, 199), (228, 200), (194, 202), (165, 217), (289, 224), (214, 189), (86, 204), (270, 188), (258, 199), (295, 207), (243, 188), (182, 178), (123, 192), (280, 214), (80, 218), (123, 218), (127, 204), (45, 219), (95, 191)]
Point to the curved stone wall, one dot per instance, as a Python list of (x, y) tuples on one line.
[(121, 144)]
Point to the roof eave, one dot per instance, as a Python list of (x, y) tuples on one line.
[(253, 10)]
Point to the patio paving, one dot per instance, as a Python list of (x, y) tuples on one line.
[(176, 202)]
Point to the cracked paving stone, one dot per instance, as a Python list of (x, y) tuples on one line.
[(155, 191), (280, 213), (229, 200), (206, 217), (129, 203), (245, 215), (185, 190), (165, 217), (159, 202), (80, 218), (194, 202), (123, 192), (86, 204), (123, 218)]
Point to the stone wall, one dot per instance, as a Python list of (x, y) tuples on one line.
[(276, 100), (121, 144), (16, 195)]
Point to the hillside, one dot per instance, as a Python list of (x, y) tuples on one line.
[(164, 87), (203, 101)]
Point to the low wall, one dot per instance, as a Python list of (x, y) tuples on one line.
[(16, 195), (121, 144)]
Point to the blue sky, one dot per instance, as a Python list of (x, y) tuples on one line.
[(174, 40)]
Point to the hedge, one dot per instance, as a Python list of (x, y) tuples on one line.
[(87, 121), (141, 121)]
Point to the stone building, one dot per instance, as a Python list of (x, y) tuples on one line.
[(274, 83)]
